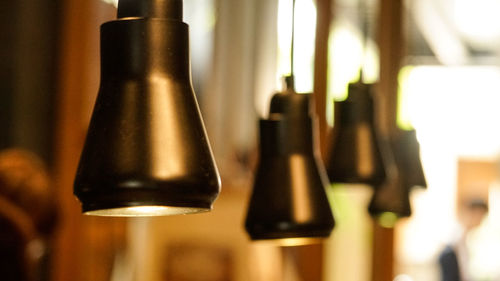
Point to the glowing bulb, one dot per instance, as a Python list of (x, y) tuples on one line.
[(292, 242), (145, 211)]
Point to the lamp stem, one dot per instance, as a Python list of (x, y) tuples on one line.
[(170, 9), (290, 80), (363, 21)]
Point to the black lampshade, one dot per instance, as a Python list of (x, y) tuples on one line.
[(289, 198), (355, 155), (407, 155), (146, 151), (392, 197)]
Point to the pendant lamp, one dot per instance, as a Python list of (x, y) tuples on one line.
[(355, 155), (289, 202), (390, 202), (391, 199), (407, 155), (146, 151)]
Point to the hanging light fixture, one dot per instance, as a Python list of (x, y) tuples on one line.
[(391, 199), (390, 202), (146, 151), (355, 155), (289, 202), (407, 155)]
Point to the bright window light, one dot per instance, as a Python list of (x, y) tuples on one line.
[(456, 105), (455, 112), (478, 20)]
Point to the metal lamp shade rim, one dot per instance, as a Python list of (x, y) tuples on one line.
[(144, 210), (153, 201), (275, 232)]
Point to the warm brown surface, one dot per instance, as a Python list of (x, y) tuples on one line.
[(307, 267), (391, 45), (474, 178), (390, 40), (69, 139), (324, 17), (311, 257), (84, 246), (383, 253)]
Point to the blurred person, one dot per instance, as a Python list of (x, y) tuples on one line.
[(27, 216), (454, 259)]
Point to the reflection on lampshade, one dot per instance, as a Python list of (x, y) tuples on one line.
[(355, 155), (289, 199), (407, 155), (391, 199), (146, 151)]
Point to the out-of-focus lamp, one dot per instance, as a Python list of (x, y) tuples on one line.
[(407, 155), (146, 151), (355, 155), (289, 204), (390, 202), (391, 199)]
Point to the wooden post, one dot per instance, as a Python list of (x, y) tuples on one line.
[(304, 263), (324, 17), (391, 45), (68, 140), (383, 253), (81, 243)]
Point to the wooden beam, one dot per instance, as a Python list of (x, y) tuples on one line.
[(391, 43), (324, 17), (77, 252), (310, 258), (68, 140), (303, 262), (383, 253)]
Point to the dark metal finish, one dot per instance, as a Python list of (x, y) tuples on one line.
[(146, 144), (289, 198), (393, 195), (165, 9), (355, 155), (407, 155)]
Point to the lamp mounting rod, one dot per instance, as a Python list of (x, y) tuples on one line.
[(168, 9), (365, 29), (290, 80)]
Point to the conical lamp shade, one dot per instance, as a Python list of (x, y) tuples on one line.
[(146, 151), (355, 155), (289, 200), (391, 199), (407, 155)]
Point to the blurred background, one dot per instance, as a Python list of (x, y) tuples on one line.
[(436, 63)]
